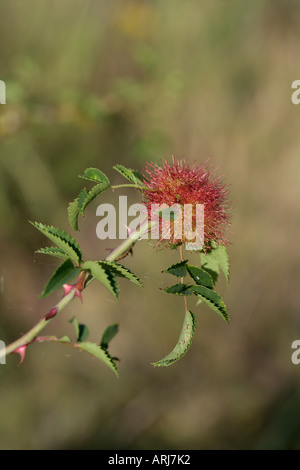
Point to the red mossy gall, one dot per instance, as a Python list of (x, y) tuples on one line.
[(180, 183)]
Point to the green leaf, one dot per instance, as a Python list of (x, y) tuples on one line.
[(93, 174), (132, 175), (62, 275), (81, 330), (178, 269), (62, 239), (108, 335), (73, 213), (53, 251), (121, 271), (79, 204), (100, 353), (99, 273), (94, 192), (179, 289), (214, 260), (113, 282), (200, 276), (213, 300), (64, 339), (184, 341), (83, 195)]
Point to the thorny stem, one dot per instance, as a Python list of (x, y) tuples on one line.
[(67, 298)]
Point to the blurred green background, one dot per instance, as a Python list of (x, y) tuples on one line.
[(96, 83)]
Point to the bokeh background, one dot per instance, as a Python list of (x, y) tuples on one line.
[(96, 83)]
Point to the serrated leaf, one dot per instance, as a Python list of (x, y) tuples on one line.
[(78, 206), (53, 251), (141, 178), (214, 260), (100, 353), (62, 239), (200, 276), (131, 175), (73, 213), (179, 289), (94, 192), (184, 341), (108, 335), (99, 273), (81, 330), (113, 282), (93, 174), (178, 269), (213, 300), (121, 271), (83, 195), (62, 275)]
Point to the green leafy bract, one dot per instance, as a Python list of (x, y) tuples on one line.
[(214, 260), (62, 239), (62, 275), (184, 341)]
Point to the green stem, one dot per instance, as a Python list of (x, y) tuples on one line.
[(31, 334), (181, 279), (66, 299), (126, 244), (128, 186)]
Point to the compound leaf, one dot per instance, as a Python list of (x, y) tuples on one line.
[(93, 174), (53, 251), (62, 239)]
